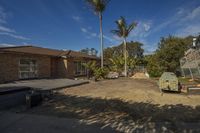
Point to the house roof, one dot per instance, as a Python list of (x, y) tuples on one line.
[(46, 51)]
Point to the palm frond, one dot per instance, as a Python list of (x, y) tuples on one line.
[(98, 5), (121, 27), (131, 27), (123, 22), (117, 32)]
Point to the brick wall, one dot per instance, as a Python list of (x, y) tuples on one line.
[(47, 66), (62, 68), (9, 66)]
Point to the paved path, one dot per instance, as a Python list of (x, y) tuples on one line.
[(43, 84), (26, 123)]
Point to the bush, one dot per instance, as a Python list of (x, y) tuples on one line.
[(100, 73), (153, 67), (95, 70)]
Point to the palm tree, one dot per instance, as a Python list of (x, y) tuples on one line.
[(99, 6), (123, 31)]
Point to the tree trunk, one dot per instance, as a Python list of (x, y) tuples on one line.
[(125, 58), (101, 38)]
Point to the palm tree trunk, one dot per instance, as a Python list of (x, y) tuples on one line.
[(101, 38), (125, 58)]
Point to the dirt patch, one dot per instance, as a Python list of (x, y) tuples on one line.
[(126, 105), (139, 76), (134, 90)]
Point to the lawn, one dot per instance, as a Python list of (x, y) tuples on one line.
[(127, 105)]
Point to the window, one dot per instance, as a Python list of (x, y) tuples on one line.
[(27, 68), (79, 68)]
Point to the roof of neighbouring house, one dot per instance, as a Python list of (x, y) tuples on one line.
[(45, 51)]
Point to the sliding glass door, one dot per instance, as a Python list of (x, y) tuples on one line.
[(79, 68), (28, 69)]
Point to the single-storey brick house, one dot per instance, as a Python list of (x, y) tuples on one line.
[(28, 62)]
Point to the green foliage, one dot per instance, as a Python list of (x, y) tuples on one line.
[(100, 73), (117, 63), (167, 56), (98, 5), (153, 67), (134, 51), (123, 29), (96, 71), (89, 51), (91, 65)]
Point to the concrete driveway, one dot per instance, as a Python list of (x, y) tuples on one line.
[(43, 84), (14, 94)]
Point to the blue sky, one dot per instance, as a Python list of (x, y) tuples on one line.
[(70, 24)]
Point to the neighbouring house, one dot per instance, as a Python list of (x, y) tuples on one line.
[(29, 62)]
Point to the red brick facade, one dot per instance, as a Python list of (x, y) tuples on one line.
[(9, 66), (50, 63)]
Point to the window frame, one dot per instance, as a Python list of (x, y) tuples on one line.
[(80, 71), (32, 71)]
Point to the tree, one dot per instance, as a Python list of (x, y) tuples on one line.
[(166, 58), (153, 67), (118, 63), (85, 51), (123, 30), (134, 51), (95, 71), (89, 51), (99, 7)]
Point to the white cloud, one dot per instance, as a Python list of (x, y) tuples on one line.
[(146, 27), (190, 24), (76, 18), (88, 33), (194, 14), (6, 45), (149, 49), (3, 15), (6, 31), (141, 30), (93, 34), (185, 22), (115, 37), (189, 30), (14, 36), (111, 40), (84, 30)]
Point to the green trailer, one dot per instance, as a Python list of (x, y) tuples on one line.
[(169, 82)]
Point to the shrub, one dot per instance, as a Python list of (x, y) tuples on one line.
[(100, 73), (95, 70)]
